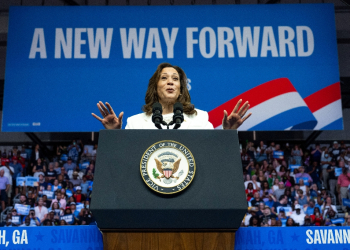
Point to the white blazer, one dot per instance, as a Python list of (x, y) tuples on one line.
[(143, 121)]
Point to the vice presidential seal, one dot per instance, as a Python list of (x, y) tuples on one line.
[(167, 167)]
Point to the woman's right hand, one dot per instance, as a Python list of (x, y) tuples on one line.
[(110, 120)]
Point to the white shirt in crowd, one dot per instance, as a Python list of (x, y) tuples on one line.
[(298, 218), (254, 186), (7, 173), (41, 212)]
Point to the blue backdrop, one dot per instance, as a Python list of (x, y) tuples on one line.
[(62, 60), (62, 237)]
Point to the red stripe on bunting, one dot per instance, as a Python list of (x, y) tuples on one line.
[(255, 96), (323, 97)]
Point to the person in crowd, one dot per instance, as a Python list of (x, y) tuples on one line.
[(40, 210), (291, 223), (297, 154), (282, 171), (84, 186), (288, 194), (302, 175), (316, 217), (280, 191), (51, 173), (343, 184), (64, 175), (265, 191), (272, 179), (336, 150), (254, 221), (63, 223), (57, 167), (298, 216), (55, 185), (251, 150), (332, 179), (257, 199), (31, 198), (261, 208), (307, 221), (86, 218), (75, 181), (60, 200), (69, 165), (18, 171), (261, 176), (46, 201), (311, 207), (326, 160), (282, 214), (73, 151), (78, 196), (327, 206), (61, 181), (275, 185), (316, 153), (8, 173), (267, 215), (314, 171), (302, 198), (288, 179), (283, 202), (39, 167), (250, 191), (260, 152), (251, 212), (89, 175), (31, 219), (4, 187)]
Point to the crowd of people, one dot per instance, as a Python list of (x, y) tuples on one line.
[(60, 193), (289, 186)]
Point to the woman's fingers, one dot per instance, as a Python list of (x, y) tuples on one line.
[(237, 106), (110, 108), (101, 110), (241, 110), (245, 118), (121, 116), (105, 110), (97, 117), (245, 110)]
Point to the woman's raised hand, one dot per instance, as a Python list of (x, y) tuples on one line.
[(236, 118), (110, 120)]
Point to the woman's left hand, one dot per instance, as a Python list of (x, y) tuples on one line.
[(236, 118)]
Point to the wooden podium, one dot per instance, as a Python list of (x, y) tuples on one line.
[(203, 216), (169, 240)]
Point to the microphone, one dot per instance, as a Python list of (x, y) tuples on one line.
[(178, 117), (157, 117)]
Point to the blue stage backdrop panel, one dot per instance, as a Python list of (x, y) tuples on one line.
[(293, 238), (282, 58), (62, 237)]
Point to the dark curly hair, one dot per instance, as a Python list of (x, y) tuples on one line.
[(152, 95)]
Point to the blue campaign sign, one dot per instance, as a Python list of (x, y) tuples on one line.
[(320, 238), (292, 167), (69, 193), (278, 154), (346, 202), (32, 181), (69, 218), (282, 58), (63, 237), (16, 220), (338, 171), (90, 185), (305, 179), (21, 181), (22, 209), (50, 194), (79, 207)]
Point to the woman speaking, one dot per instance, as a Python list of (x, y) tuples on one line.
[(167, 86)]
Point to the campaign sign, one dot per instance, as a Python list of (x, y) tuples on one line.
[(286, 209), (21, 181), (305, 179), (32, 181), (282, 58), (62, 237), (50, 194), (22, 209), (338, 171), (278, 155), (84, 165), (69, 193), (16, 220), (90, 185), (292, 167), (346, 202), (338, 221), (79, 207), (69, 218)]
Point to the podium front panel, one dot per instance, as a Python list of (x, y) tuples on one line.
[(215, 199)]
